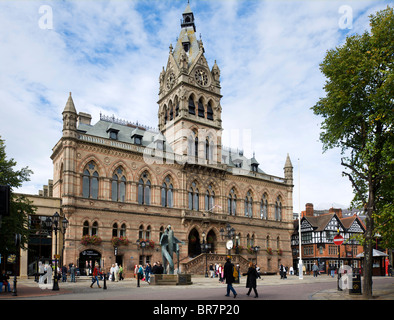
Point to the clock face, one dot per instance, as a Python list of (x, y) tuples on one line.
[(229, 244), (201, 77), (170, 80)]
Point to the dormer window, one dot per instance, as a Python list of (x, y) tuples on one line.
[(138, 140), (112, 133)]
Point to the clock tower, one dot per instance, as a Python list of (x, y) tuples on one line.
[(189, 98)]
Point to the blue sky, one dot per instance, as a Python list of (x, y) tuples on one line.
[(109, 54)]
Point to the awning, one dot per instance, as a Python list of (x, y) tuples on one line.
[(375, 253)]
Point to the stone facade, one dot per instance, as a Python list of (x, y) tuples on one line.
[(116, 178)]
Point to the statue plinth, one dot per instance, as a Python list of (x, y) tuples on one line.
[(171, 279)]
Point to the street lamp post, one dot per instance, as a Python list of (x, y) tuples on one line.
[(205, 246), (54, 223), (256, 250), (230, 235)]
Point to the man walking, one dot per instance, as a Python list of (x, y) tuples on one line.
[(229, 276), (96, 272)]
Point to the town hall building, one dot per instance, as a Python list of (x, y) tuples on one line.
[(120, 184)]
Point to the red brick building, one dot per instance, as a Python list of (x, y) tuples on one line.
[(318, 228)]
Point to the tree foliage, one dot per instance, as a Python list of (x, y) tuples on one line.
[(358, 112), (20, 207)]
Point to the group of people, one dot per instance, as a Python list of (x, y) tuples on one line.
[(230, 273), (144, 274), (4, 282)]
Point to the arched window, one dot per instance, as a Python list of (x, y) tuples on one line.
[(147, 233), (161, 231), (232, 203), (91, 231), (90, 183), (192, 106), (118, 185), (141, 234), (264, 207), (167, 193), (201, 111), (85, 230), (123, 230), (209, 111), (115, 230), (94, 228), (196, 147), (171, 112), (278, 209), (209, 198), (194, 197), (248, 205), (144, 188), (165, 114)]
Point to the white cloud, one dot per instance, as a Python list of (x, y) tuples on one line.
[(110, 55)]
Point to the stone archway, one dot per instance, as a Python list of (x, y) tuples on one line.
[(194, 246), (212, 241)]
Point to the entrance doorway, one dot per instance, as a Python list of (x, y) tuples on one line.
[(211, 240), (87, 260), (194, 247)]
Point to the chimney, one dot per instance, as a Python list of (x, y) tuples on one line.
[(338, 212), (84, 118), (309, 210)]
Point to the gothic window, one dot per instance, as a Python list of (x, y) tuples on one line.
[(192, 106), (207, 154), (147, 233), (264, 207), (209, 111), (94, 228), (144, 189), (118, 185), (196, 147), (232, 203), (171, 113), (115, 230), (161, 231), (209, 198), (201, 111), (176, 109), (278, 209), (90, 183), (85, 230), (123, 230), (167, 193), (193, 197), (248, 205), (141, 233)]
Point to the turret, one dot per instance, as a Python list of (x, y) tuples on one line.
[(69, 119)]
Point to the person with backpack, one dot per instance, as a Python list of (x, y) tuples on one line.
[(229, 276)]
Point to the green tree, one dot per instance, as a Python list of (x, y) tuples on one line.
[(20, 207), (357, 116)]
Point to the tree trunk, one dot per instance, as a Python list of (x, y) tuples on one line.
[(368, 245)]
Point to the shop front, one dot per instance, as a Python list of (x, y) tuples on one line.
[(87, 260)]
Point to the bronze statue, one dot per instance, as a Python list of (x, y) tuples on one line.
[(169, 244)]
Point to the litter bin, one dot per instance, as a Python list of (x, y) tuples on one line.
[(356, 284)]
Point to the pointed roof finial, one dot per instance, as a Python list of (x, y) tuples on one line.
[(70, 107)]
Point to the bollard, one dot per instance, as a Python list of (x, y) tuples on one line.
[(105, 282), (138, 280)]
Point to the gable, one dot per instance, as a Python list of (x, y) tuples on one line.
[(306, 226), (356, 227), (334, 224)]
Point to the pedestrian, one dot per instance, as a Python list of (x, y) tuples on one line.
[(140, 272), (4, 281), (284, 272), (220, 273), (120, 273), (281, 271), (228, 271), (251, 280), (116, 272), (148, 271), (112, 273), (64, 274), (72, 272), (95, 274), (211, 270), (315, 269), (291, 270)]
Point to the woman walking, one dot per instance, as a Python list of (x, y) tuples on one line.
[(251, 280)]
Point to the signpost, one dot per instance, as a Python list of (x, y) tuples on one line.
[(338, 240)]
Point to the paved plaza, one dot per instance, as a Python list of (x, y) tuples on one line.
[(269, 288)]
